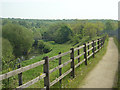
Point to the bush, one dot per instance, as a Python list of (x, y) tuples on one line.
[(76, 39), (41, 44), (63, 34), (42, 47), (7, 53), (52, 42), (46, 49)]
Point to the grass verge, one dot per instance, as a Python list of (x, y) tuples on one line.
[(118, 73), (83, 70)]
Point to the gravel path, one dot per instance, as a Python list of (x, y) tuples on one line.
[(103, 75)]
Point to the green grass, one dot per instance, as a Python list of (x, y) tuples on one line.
[(83, 70), (118, 74), (33, 73)]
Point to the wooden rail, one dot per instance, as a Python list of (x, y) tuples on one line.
[(93, 46)]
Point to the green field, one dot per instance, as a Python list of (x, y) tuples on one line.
[(56, 48), (39, 38)]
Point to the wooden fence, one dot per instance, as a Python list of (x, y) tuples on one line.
[(95, 45)]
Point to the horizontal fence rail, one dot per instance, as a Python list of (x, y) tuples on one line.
[(22, 69), (93, 46)]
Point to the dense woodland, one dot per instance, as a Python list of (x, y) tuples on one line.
[(29, 37)]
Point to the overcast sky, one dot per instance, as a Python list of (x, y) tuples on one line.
[(60, 9)]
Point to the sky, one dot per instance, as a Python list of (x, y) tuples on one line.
[(59, 9)]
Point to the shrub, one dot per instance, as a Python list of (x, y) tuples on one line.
[(42, 47), (41, 44), (7, 53), (47, 49)]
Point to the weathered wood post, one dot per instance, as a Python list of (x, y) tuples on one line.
[(101, 42), (98, 44), (60, 70), (104, 39), (46, 71), (93, 50), (94, 46), (85, 55), (72, 63), (88, 49), (20, 74), (78, 55)]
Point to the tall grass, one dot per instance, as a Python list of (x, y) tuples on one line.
[(118, 45)]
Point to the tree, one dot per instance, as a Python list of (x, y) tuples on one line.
[(63, 34), (24, 23), (90, 30), (7, 53), (20, 38), (78, 29), (43, 48), (99, 27), (111, 27), (37, 35)]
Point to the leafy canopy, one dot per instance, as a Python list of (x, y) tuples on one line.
[(20, 38)]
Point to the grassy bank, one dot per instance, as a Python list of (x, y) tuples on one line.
[(33, 73), (118, 74), (83, 70)]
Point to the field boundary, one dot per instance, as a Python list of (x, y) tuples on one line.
[(96, 45)]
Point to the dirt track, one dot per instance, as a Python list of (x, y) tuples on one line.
[(103, 75)]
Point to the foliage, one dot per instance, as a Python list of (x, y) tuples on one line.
[(55, 34), (63, 34), (76, 39), (99, 27), (47, 49), (78, 28), (117, 42), (111, 25), (7, 53), (111, 28), (37, 35), (43, 48), (60, 33), (90, 30), (20, 38)]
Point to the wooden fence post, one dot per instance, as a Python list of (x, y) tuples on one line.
[(93, 50), (60, 70), (98, 43), (46, 71), (72, 63), (94, 46), (101, 42), (85, 55), (20, 74), (88, 49), (78, 54), (104, 39)]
